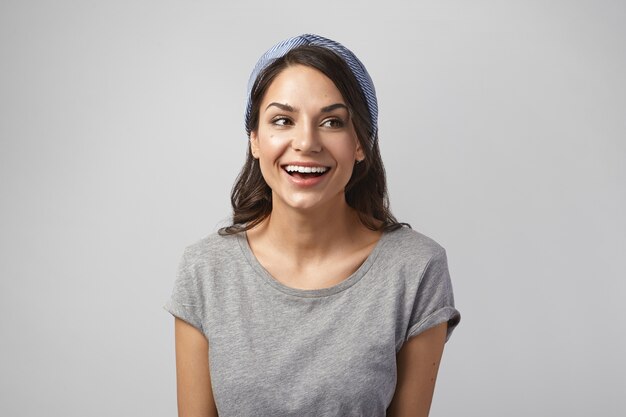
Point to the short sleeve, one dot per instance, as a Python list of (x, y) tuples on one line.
[(434, 300), (186, 301)]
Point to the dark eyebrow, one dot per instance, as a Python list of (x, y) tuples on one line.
[(332, 107), (327, 109), (283, 107)]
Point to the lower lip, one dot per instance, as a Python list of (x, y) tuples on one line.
[(305, 182)]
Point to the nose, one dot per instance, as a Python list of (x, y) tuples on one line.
[(306, 139)]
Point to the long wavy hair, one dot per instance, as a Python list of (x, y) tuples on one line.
[(366, 191)]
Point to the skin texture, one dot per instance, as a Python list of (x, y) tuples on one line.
[(418, 364), (193, 380), (311, 233)]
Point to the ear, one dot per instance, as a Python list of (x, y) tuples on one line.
[(359, 155), (254, 144)]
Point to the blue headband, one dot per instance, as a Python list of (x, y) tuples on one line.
[(357, 68)]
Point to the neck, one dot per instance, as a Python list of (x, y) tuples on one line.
[(310, 234)]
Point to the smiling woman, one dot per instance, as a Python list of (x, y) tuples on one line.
[(313, 132), (315, 301)]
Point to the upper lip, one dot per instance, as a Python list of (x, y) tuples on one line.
[(305, 164)]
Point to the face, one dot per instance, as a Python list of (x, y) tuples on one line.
[(305, 141)]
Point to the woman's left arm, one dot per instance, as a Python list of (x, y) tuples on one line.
[(418, 363)]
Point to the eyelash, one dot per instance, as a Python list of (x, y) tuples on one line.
[(281, 118), (338, 123)]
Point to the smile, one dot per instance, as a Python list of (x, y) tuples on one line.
[(299, 171)]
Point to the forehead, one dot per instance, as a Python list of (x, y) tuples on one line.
[(300, 85)]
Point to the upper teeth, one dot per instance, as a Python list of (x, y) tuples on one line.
[(304, 170)]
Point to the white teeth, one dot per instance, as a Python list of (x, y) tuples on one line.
[(305, 170)]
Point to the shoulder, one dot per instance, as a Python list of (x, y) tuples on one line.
[(210, 249), (408, 245)]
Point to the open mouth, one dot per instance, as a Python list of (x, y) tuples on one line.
[(305, 172)]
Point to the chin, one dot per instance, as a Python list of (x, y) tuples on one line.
[(310, 201), (304, 204)]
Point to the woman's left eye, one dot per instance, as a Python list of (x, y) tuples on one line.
[(281, 121), (333, 123)]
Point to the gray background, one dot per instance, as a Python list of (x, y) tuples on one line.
[(502, 127)]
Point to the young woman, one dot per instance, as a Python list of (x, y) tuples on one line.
[(315, 301)]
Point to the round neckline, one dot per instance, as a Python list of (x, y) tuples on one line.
[(264, 274)]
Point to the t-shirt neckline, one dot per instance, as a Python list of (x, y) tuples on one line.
[(318, 292)]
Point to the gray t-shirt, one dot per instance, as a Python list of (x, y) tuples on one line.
[(281, 351)]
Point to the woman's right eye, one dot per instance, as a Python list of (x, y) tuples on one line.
[(281, 121)]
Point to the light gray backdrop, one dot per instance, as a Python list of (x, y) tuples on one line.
[(503, 129)]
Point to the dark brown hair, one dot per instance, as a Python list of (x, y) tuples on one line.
[(366, 190)]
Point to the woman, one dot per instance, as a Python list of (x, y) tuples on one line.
[(315, 301)]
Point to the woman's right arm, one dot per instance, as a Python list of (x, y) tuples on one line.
[(193, 379)]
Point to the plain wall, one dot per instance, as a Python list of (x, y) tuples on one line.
[(503, 131)]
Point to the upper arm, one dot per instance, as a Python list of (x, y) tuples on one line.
[(418, 363), (193, 380)]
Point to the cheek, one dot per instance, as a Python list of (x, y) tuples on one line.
[(346, 152), (267, 170), (273, 143), (271, 148)]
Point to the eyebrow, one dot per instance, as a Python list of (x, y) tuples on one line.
[(326, 109)]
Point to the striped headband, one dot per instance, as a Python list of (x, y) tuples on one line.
[(356, 66)]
